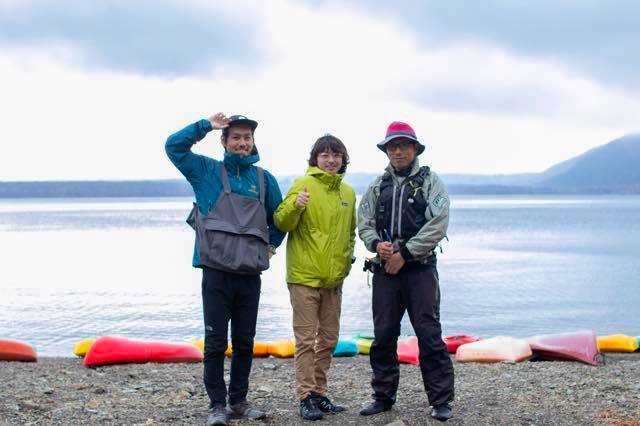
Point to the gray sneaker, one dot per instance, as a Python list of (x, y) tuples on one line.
[(244, 410), (217, 416)]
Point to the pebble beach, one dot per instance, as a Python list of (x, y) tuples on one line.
[(61, 391)]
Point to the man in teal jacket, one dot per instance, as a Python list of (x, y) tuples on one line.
[(227, 296)]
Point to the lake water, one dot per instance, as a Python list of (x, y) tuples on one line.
[(518, 266)]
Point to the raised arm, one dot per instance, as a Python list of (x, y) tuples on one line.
[(178, 146)]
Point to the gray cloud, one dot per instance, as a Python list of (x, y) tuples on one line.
[(159, 37), (596, 38)]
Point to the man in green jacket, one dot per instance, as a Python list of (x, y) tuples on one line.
[(402, 217), (319, 214)]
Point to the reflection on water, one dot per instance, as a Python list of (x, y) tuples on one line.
[(72, 269)]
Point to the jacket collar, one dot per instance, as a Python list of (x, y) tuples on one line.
[(234, 162), (415, 168), (331, 180)]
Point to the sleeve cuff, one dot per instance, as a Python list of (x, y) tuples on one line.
[(374, 245), (406, 254), (206, 125)]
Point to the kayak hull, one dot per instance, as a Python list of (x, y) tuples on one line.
[(120, 350), (495, 349), (575, 346), (16, 350)]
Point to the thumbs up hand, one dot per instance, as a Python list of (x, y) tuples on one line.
[(303, 198)]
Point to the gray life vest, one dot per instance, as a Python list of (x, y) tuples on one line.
[(234, 236)]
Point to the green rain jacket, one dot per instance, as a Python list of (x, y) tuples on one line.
[(321, 234)]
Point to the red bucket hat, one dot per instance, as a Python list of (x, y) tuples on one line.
[(398, 129)]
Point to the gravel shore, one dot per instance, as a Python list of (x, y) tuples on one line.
[(61, 391)]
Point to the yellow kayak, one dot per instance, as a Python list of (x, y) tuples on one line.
[(617, 343), (364, 345), (82, 347), (282, 348)]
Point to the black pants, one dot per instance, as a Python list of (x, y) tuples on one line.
[(228, 297), (417, 291)]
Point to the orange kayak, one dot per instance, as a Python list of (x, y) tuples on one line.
[(15, 350), (120, 350)]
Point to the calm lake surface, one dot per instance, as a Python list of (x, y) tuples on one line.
[(518, 266)]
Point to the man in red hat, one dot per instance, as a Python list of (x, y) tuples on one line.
[(402, 217)]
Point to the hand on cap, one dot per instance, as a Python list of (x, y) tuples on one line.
[(219, 121), (303, 198)]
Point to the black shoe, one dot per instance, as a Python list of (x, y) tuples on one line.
[(375, 407), (442, 412), (309, 410), (217, 416), (325, 405), (244, 410)]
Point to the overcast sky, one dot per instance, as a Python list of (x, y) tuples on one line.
[(91, 90)]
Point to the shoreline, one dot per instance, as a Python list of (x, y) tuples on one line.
[(59, 390)]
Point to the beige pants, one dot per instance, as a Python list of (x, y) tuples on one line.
[(316, 324)]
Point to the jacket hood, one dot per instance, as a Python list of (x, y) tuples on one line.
[(331, 180)]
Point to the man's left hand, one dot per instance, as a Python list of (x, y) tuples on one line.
[(394, 263)]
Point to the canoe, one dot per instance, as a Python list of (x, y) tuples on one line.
[(454, 342), (82, 347), (285, 348), (260, 349), (345, 348), (364, 345), (617, 343), (16, 350), (495, 349), (577, 346), (120, 350), (408, 351)]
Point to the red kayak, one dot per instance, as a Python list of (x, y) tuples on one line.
[(577, 346), (119, 350), (408, 351), (454, 342), (15, 350)]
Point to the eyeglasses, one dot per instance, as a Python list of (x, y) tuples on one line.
[(402, 146)]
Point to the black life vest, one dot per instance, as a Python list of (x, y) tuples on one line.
[(400, 209)]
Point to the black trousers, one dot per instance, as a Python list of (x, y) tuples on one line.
[(228, 297), (415, 290)]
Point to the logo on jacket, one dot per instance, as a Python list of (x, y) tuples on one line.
[(439, 200), (253, 189)]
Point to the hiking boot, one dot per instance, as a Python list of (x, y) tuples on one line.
[(325, 405), (309, 410), (217, 416), (442, 412), (244, 410), (375, 407)]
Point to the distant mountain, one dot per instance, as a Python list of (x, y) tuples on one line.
[(610, 168)]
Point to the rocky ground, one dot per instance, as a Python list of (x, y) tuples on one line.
[(61, 391)]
